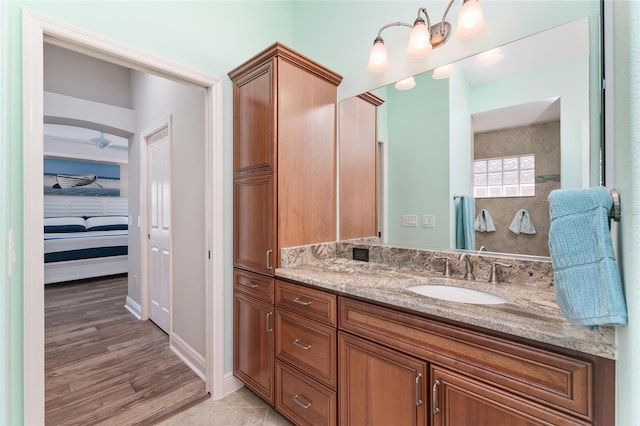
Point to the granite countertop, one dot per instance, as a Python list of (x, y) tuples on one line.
[(531, 312)]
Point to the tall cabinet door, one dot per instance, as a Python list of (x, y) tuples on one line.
[(253, 355), (379, 386), (359, 167), (254, 121), (254, 223)]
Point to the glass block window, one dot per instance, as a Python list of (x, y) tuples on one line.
[(505, 177)]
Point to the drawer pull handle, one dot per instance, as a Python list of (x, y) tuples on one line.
[(300, 403), (251, 285), (301, 302), (300, 345), (434, 397), (269, 328), (418, 400)]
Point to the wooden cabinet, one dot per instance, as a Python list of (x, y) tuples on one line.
[(380, 386), (458, 399), (284, 122), (476, 378), (306, 354), (254, 246), (359, 166), (284, 189), (253, 338)]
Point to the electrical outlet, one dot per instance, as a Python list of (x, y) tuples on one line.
[(361, 254), (410, 220), (135, 282), (428, 221)]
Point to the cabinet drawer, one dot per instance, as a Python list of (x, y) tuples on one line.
[(303, 400), (254, 285), (311, 303), (310, 346), (553, 379)]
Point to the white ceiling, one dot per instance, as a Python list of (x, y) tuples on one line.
[(552, 46), (558, 44), (76, 142)]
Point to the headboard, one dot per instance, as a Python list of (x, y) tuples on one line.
[(63, 206)]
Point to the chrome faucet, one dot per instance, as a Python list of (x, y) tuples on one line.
[(493, 274), (469, 274), (447, 269)]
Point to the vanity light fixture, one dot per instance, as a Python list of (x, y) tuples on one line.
[(425, 37), (489, 57), (406, 84), (444, 71)]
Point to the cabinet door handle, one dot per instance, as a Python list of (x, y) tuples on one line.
[(269, 266), (434, 397), (418, 400), (300, 403), (269, 328), (300, 345), (301, 302)]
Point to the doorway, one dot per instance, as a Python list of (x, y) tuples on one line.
[(37, 30)]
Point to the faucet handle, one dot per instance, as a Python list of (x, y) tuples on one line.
[(447, 266), (493, 275)]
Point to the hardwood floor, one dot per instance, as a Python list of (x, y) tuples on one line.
[(103, 366)]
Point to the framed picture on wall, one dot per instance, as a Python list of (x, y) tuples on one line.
[(64, 176)]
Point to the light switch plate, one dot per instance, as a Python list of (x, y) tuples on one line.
[(409, 220), (429, 221)]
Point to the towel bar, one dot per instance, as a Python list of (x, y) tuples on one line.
[(614, 213)]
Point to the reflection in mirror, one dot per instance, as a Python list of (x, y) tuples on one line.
[(514, 170), (432, 132)]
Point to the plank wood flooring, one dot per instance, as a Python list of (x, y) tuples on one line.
[(104, 366)]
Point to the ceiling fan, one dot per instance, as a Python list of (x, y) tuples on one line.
[(100, 142)]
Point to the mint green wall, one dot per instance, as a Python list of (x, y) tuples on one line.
[(210, 36), (215, 36), (339, 34), (627, 181), (460, 146), (570, 81), (418, 155)]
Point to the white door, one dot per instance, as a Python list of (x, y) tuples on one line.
[(159, 227)]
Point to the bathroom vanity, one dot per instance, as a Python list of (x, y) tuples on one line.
[(353, 346)]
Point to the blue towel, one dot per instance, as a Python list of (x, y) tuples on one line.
[(521, 223), (465, 221), (587, 280)]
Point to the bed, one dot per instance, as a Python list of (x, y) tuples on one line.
[(84, 237)]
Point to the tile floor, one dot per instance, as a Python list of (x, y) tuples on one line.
[(241, 408)]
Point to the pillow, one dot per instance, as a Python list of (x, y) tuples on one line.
[(107, 223), (64, 224)]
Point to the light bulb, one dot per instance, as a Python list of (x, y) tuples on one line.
[(419, 40), (470, 20), (489, 57), (406, 84), (443, 72), (378, 61)]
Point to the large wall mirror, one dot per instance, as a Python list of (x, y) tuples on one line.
[(541, 98)]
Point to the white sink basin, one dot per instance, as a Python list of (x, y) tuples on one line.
[(458, 294)]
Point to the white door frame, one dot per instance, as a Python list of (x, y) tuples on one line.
[(35, 31)]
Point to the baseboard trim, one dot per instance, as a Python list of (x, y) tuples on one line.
[(188, 355), (133, 307), (230, 384)]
